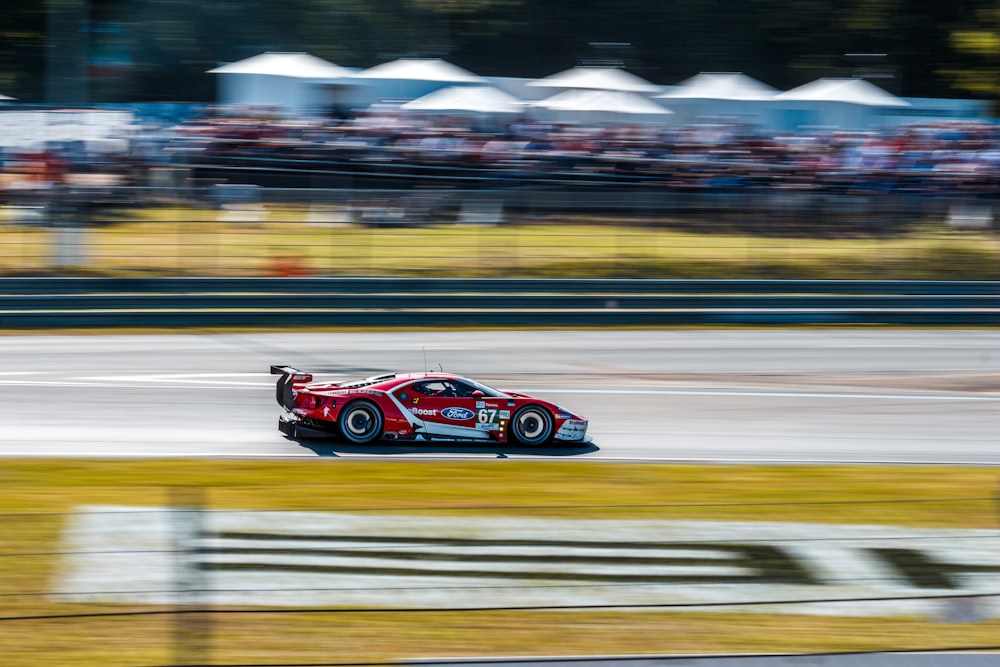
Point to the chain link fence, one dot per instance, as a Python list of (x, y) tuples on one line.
[(183, 227)]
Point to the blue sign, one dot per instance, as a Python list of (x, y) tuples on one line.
[(457, 414)]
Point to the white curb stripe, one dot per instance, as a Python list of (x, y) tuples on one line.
[(400, 561)]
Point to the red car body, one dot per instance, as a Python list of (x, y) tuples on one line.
[(419, 407)]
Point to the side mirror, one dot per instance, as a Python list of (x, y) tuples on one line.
[(477, 393)]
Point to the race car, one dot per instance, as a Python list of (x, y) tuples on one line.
[(419, 407)]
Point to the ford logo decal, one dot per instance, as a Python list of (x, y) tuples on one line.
[(458, 414)]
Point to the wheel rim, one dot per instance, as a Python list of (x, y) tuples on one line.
[(531, 425), (361, 422)]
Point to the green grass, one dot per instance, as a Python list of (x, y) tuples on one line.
[(37, 494), (178, 241)]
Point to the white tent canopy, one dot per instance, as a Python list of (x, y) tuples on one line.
[(602, 106), (286, 82), (407, 79), (848, 104), (613, 101), (853, 91), (597, 78), (422, 69), (711, 96), (297, 65), (721, 86), (474, 99)]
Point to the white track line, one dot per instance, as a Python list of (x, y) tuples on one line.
[(217, 381), (774, 394)]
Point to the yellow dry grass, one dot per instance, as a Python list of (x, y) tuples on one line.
[(181, 241), (38, 494)]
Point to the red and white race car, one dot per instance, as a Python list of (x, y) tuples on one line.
[(419, 407)]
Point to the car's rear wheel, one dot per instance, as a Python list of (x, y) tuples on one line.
[(532, 425), (360, 422)]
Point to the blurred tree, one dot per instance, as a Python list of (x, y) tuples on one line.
[(22, 50), (915, 35), (980, 41), (174, 42), (162, 48)]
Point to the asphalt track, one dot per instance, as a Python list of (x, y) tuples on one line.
[(789, 396)]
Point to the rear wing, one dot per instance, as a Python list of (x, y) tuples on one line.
[(283, 390)]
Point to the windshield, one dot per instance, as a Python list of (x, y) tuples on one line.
[(453, 387), (489, 391)]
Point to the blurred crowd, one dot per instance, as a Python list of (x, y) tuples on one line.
[(934, 158)]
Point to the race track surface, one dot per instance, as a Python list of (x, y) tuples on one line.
[(887, 396)]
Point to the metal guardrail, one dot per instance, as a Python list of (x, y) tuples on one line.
[(288, 302), (506, 301), (394, 285)]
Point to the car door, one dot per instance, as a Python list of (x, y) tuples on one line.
[(445, 408)]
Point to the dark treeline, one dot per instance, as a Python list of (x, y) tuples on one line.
[(158, 50)]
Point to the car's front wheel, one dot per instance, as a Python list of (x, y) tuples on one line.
[(532, 425), (360, 422)]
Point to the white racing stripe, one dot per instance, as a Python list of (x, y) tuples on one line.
[(147, 381), (258, 380), (185, 378), (134, 554), (776, 394), (56, 383), (125, 385)]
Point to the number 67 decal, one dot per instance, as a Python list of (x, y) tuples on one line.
[(489, 418)]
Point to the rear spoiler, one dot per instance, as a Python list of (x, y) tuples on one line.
[(289, 376)]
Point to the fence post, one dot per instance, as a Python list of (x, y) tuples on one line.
[(192, 630)]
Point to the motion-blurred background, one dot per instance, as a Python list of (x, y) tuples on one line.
[(156, 50), (392, 139), (646, 139)]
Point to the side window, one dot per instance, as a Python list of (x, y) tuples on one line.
[(421, 388), (464, 390), (448, 389), (434, 388)]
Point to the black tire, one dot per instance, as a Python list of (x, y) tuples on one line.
[(286, 427), (532, 425), (360, 422)]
